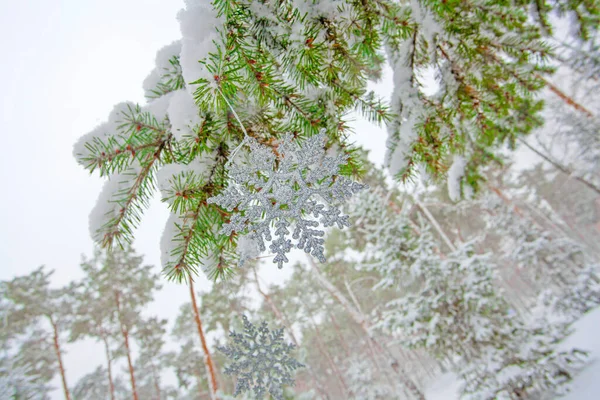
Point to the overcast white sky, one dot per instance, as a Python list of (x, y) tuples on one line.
[(64, 64)]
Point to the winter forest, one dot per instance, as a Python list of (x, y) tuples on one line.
[(464, 263)]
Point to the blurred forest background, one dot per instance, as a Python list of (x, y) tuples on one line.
[(418, 280)]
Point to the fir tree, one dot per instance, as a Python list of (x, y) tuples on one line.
[(123, 286), (49, 312), (152, 358), (260, 71), (189, 371), (364, 385), (562, 267), (94, 318), (95, 386), (16, 382)]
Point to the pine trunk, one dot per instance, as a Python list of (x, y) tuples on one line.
[(210, 369), (111, 384), (125, 334), (60, 362), (156, 385)]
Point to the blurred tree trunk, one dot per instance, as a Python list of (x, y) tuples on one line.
[(125, 333), (210, 369)]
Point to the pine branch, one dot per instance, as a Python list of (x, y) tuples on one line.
[(198, 220), (134, 199)]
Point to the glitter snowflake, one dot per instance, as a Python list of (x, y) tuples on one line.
[(293, 187), (261, 360)]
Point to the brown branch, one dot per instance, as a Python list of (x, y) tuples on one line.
[(565, 97), (131, 149), (553, 88), (295, 106), (61, 367), (109, 367), (125, 334), (210, 369), (131, 196)]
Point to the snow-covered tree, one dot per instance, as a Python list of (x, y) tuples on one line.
[(94, 318), (123, 285), (189, 370), (152, 359), (95, 386), (17, 382), (49, 312), (363, 383), (247, 75), (455, 312), (563, 268), (458, 314), (390, 245)]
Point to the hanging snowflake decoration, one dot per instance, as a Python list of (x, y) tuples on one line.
[(295, 187), (261, 361)]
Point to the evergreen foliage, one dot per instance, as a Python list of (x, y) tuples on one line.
[(44, 314), (263, 70), (17, 382), (246, 135), (95, 386)]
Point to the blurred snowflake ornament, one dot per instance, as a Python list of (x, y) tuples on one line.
[(261, 360), (292, 187)]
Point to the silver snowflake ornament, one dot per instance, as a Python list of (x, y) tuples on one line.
[(260, 360), (293, 189)]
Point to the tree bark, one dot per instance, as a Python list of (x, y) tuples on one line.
[(60, 362), (125, 334), (210, 369), (109, 368)]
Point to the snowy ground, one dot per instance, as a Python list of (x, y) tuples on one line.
[(586, 385), (587, 336)]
